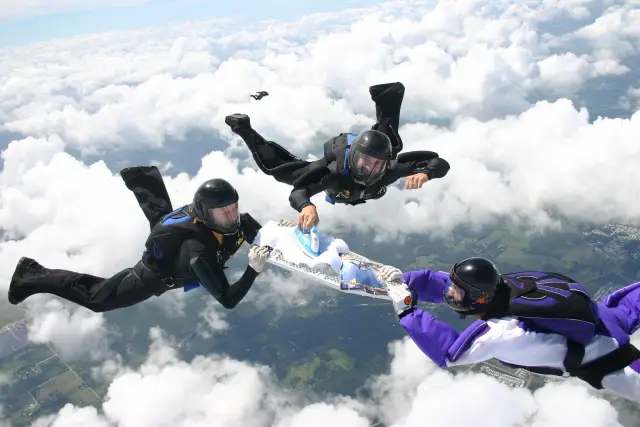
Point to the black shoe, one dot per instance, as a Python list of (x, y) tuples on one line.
[(128, 174), (385, 90), (17, 293), (238, 122)]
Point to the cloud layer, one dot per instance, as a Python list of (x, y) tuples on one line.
[(477, 67), (214, 390), (127, 89)]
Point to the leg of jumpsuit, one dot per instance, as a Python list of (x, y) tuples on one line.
[(95, 293), (388, 99), (624, 305), (271, 158), (622, 310), (147, 185)]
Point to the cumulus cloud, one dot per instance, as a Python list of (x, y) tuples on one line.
[(214, 320), (75, 333), (122, 90), (615, 34), (280, 290), (216, 390)]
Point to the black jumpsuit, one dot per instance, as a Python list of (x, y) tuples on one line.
[(328, 173), (179, 251)]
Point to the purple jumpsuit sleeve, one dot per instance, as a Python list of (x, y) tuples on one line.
[(439, 340), (428, 284)]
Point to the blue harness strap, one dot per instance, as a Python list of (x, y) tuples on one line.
[(345, 167), (191, 286), (167, 220)]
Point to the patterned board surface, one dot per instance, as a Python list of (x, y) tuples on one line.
[(357, 275)]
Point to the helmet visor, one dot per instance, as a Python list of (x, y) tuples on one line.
[(225, 217), (368, 168), (463, 298), (456, 296)]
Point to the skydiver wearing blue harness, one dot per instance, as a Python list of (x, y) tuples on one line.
[(186, 248), (354, 169)]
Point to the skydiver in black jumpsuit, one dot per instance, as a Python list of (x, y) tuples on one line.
[(259, 95), (353, 169), (186, 247)]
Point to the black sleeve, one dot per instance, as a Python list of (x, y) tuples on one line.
[(211, 276), (250, 227), (308, 185), (415, 162)]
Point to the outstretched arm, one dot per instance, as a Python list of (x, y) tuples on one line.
[(418, 162), (428, 284), (213, 279), (307, 186), (210, 274), (437, 339), (501, 339)]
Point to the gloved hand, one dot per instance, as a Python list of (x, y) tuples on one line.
[(389, 273), (403, 298), (286, 223), (258, 257)]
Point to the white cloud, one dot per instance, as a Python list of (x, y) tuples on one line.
[(127, 89), (567, 72), (74, 333), (280, 291), (214, 319), (616, 33), (166, 391)]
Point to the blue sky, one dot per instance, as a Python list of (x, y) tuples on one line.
[(34, 26)]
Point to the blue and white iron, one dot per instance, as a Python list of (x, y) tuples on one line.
[(308, 241)]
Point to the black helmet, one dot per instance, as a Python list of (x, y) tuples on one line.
[(472, 285), (216, 205), (367, 151)]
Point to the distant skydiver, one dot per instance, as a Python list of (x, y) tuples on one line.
[(186, 247), (354, 169), (259, 95), (542, 322)]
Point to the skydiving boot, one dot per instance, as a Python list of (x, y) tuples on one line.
[(388, 99), (128, 174), (20, 287), (239, 123), (390, 94)]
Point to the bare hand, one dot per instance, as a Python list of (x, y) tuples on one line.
[(308, 217), (416, 181)]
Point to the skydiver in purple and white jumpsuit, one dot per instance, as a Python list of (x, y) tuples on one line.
[(542, 322)]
